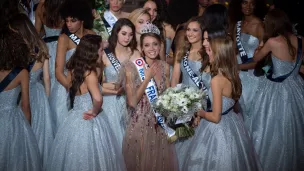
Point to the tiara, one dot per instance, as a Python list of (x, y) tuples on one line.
[(149, 28)]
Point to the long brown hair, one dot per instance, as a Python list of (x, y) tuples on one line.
[(84, 59), (23, 25), (226, 63), (187, 45), (52, 12)]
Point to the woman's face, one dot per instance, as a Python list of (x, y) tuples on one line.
[(151, 47), (248, 7), (194, 32), (151, 7), (141, 20), (73, 24), (125, 35), (116, 5), (206, 44)]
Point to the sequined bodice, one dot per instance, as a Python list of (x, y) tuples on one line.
[(227, 102), (8, 99), (51, 32), (281, 67), (195, 66), (110, 73), (250, 43), (83, 102), (35, 76)]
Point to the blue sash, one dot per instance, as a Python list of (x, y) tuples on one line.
[(242, 52), (9, 78), (283, 77), (50, 39), (228, 110), (107, 25), (114, 61), (73, 37), (197, 81)]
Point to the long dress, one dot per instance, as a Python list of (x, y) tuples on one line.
[(18, 146), (85, 145), (52, 47), (276, 120), (224, 146), (59, 100), (42, 123), (248, 79), (182, 146), (115, 107), (145, 145)]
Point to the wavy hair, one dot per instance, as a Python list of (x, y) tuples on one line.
[(187, 46), (84, 59), (114, 36), (137, 13), (52, 12), (23, 25), (225, 62), (14, 51)]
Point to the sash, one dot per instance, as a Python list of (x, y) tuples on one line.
[(50, 39), (114, 61), (151, 92), (73, 37), (283, 77), (109, 20), (9, 78), (228, 110), (197, 81), (242, 52), (29, 68)]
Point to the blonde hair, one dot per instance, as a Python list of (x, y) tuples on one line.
[(137, 13), (226, 63)]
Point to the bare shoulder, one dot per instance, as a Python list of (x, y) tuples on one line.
[(218, 80), (136, 54), (90, 31), (125, 14), (63, 38)]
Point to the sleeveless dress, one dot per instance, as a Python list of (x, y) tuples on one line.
[(114, 107), (182, 146), (42, 123), (276, 120), (52, 47), (85, 145), (18, 146), (225, 146), (145, 145), (248, 79), (59, 100)]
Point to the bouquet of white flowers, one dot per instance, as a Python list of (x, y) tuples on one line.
[(178, 105)]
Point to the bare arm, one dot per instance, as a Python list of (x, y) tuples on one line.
[(46, 77), (263, 51), (25, 99), (167, 70), (93, 86), (215, 115), (38, 14), (176, 73), (62, 48)]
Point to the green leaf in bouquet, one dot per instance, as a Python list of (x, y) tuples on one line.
[(184, 132)]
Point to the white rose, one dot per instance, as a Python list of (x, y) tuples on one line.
[(185, 109)]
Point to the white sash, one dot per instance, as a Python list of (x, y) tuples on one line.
[(110, 19), (151, 92)]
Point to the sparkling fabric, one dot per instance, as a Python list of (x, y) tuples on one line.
[(276, 120), (59, 99), (248, 79), (52, 47), (18, 146), (42, 123), (145, 145), (225, 146), (115, 107), (182, 146), (85, 145)]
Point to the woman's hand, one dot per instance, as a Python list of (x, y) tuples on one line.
[(89, 115), (196, 121), (201, 113)]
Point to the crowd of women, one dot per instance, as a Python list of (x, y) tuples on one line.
[(75, 83)]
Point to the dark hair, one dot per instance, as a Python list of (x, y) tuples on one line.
[(235, 10), (79, 9), (215, 16), (8, 8), (180, 11), (23, 25), (114, 35), (156, 36), (84, 59), (52, 12), (14, 51), (219, 32)]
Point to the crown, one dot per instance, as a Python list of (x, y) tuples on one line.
[(149, 28)]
